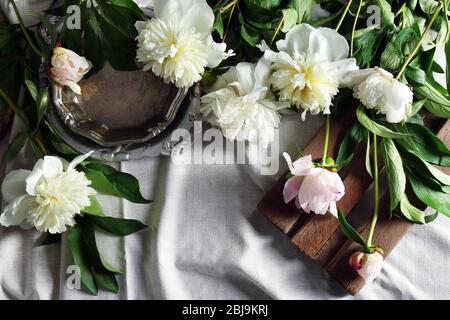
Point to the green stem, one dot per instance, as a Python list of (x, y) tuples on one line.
[(277, 31), (327, 140), (233, 6), (447, 22), (354, 27), (347, 7), (22, 117), (25, 32), (417, 47), (377, 192)]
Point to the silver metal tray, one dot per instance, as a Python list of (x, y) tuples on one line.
[(120, 115)]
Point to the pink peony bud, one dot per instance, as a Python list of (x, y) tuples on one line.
[(368, 265)]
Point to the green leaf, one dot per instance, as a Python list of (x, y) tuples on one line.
[(119, 227), (447, 56), (350, 232), (348, 145), (416, 77), (404, 39), (95, 208), (42, 103), (394, 167), (16, 145), (428, 6), (390, 59), (416, 106), (387, 16), (31, 84), (436, 103), (102, 275), (424, 144), (131, 5), (375, 127), (366, 43), (303, 9), (410, 212), (367, 158), (110, 181), (80, 255), (218, 25), (431, 196), (290, 19)]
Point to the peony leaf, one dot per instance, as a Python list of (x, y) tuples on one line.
[(95, 208), (394, 167), (116, 226), (16, 145), (410, 212), (108, 180), (350, 232), (387, 16), (290, 19), (375, 127), (348, 145), (42, 103)]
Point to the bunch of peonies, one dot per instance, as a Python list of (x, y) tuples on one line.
[(48, 197), (242, 105), (68, 68), (177, 44)]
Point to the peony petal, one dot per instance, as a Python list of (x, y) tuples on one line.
[(52, 167), (35, 177), (17, 211), (328, 44), (199, 16), (75, 162), (333, 209), (262, 73), (14, 185), (73, 86), (343, 70), (297, 39), (245, 72), (216, 53), (300, 167), (291, 188)]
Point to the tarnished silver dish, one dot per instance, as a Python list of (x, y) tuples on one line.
[(120, 115)]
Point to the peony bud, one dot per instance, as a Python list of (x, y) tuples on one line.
[(368, 265), (68, 68)]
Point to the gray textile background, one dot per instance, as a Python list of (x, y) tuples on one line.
[(210, 243)]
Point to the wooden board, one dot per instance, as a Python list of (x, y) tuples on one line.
[(319, 237)]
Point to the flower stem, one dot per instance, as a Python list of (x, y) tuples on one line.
[(233, 5), (24, 119), (377, 192), (327, 139), (347, 7), (417, 47), (354, 27), (277, 31), (25, 31)]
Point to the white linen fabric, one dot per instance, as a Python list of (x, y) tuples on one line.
[(211, 244)]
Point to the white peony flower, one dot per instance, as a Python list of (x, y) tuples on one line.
[(368, 265), (310, 67), (377, 89), (48, 197), (242, 105), (68, 68), (177, 44), (314, 189)]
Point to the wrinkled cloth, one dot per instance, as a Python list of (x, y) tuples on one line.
[(212, 244)]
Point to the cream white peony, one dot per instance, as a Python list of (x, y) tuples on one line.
[(314, 189), (377, 89), (367, 265), (310, 67), (68, 68), (177, 44), (242, 105), (48, 197)]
